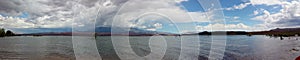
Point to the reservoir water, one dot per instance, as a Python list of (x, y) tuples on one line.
[(237, 47)]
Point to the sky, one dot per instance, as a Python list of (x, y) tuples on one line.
[(178, 16)]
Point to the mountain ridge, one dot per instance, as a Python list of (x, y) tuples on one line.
[(107, 31)]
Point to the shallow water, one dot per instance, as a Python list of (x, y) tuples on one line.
[(237, 47)]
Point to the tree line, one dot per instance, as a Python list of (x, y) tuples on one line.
[(4, 33)]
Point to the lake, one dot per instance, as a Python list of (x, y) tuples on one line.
[(236, 47)]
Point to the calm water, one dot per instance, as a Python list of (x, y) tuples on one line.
[(36, 48), (238, 47)]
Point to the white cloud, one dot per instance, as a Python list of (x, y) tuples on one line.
[(287, 17), (167, 8), (154, 27), (236, 17), (229, 27), (199, 16), (41, 13), (178, 1), (8, 22), (62, 13), (157, 25), (52, 13), (59, 13), (241, 6), (255, 12), (266, 2), (151, 29)]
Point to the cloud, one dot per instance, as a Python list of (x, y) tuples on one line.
[(62, 13), (255, 12), (288, 16), (52, 13), (10, 7), (128, 11), (266, 2), (40, 13), (155, 26), (236, 17), (7, 22), (241, 6), (257, 2), (200, 16), (84, 13), (229, 27)]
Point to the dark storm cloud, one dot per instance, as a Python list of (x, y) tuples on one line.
[(11, 7)]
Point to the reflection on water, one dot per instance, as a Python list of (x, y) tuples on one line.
[(238, 47)]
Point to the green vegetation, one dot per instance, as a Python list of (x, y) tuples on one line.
[(7, 33), (2, 32)]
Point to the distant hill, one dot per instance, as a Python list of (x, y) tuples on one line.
[(100, 31), (286, 30), (106, 31), (279, 32), (220, 33), (44, 30), (272, 32)]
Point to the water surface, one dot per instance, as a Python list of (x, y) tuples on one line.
[(238, 47)]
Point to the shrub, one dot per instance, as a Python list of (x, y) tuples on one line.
[(2, 32)]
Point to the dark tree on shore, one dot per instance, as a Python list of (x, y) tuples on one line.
[(9, 33), (2, 32)]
